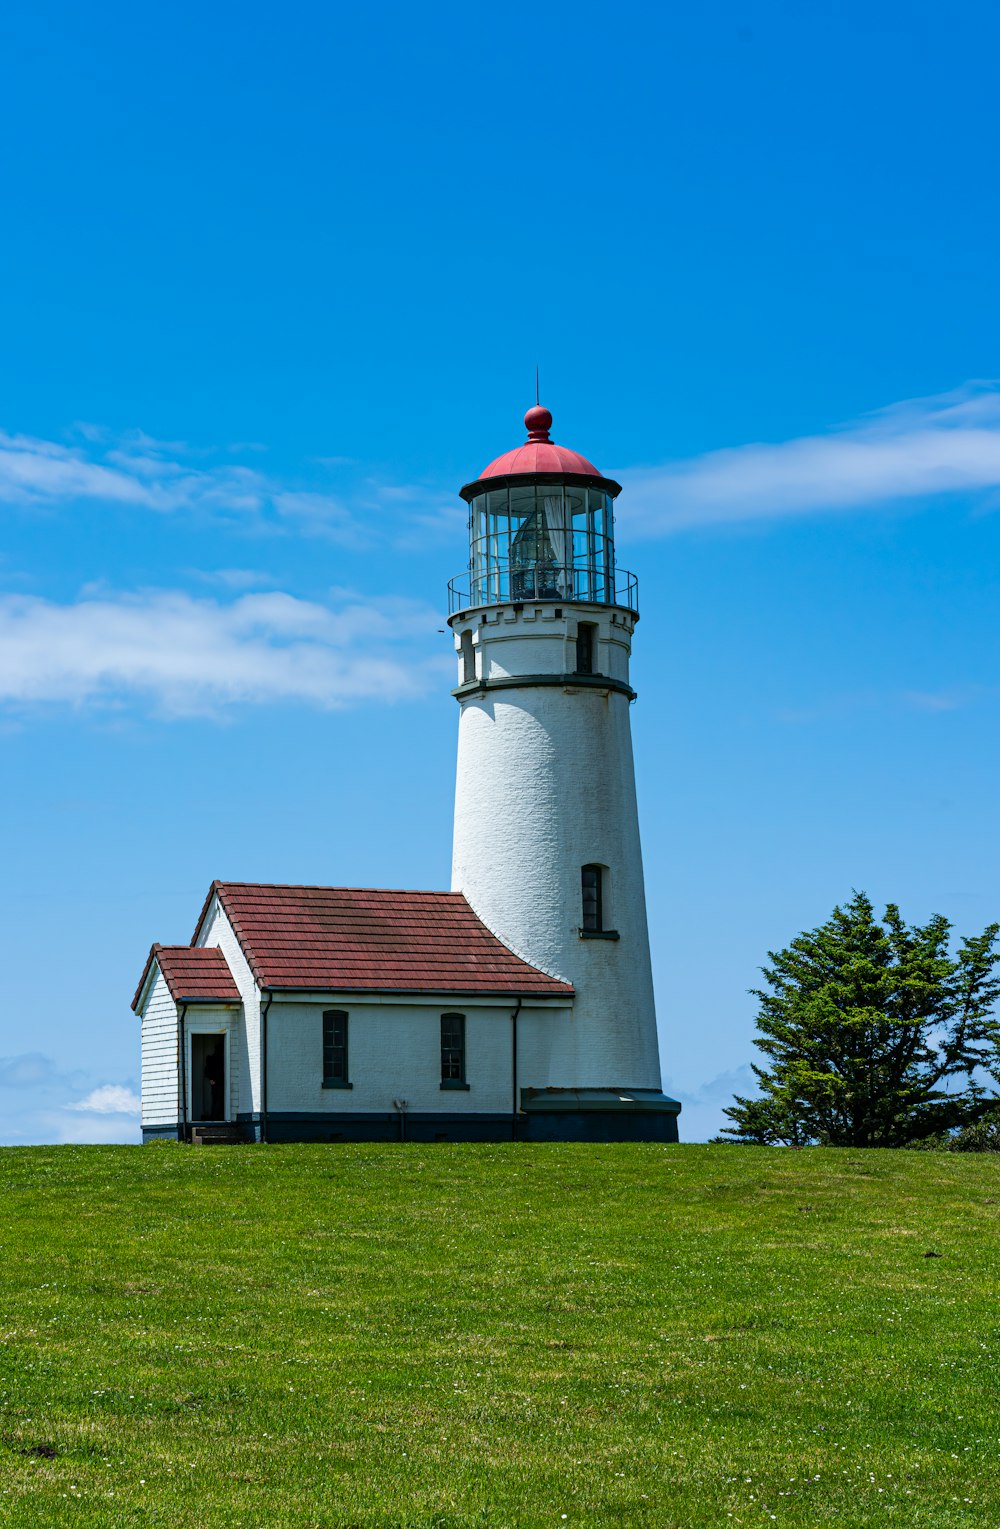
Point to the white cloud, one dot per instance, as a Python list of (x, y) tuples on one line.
[(191, 656), (923, 447), (109, 1099), (43, 1102)]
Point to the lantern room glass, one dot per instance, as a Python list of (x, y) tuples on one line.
[(542, 541)]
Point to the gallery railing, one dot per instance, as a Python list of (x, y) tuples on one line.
[(515, 584)]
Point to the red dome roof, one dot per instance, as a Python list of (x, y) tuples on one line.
[(540, 454)]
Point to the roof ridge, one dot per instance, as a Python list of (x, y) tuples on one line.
[(311, 886)]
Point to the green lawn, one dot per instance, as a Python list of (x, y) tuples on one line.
[(449, 1335)]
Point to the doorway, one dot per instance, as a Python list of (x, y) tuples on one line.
[(208, 1077)]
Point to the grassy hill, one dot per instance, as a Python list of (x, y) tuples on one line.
[(537, 1335)]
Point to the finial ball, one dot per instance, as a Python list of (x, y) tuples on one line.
[(538, 422)]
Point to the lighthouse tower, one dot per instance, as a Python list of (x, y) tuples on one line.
[(546, 846)]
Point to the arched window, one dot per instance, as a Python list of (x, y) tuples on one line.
[(468, 659)]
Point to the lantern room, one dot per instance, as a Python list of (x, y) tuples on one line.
[(541, 527)]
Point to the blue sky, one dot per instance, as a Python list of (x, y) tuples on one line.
[(273, 284)]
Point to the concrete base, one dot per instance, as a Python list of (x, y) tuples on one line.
[(598, 1115)]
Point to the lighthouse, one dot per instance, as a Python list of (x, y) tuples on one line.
[(518, 1005), (546, 834)]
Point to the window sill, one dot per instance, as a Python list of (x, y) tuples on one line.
[(599, 934), (453, 1083), (332, 1083)]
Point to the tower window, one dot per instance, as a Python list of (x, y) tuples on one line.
[(594, 900), (592, 888), (453, 1051), (335, 1049), (468, 659), (585, 634)]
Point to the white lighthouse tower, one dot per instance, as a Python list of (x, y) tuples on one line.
[(546, 846)]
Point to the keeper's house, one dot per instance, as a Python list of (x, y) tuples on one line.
[(518, 1004), (332, 1014)]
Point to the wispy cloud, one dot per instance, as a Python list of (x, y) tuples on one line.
[(702, 1104), (138, 472), (134, 471), (189, 656), (861, 703), (947, 443), (29, 1070), (234, 578), (923, 447)]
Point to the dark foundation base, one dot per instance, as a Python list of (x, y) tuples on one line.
[(596, 1115)]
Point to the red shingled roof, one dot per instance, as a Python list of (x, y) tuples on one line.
[(194, 974), (355, 939)]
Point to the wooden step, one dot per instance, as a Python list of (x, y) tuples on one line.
[(217, 1136)]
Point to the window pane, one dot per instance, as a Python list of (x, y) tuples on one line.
[(452, 1048), (590, 886), (598, 502), (334, 1046)]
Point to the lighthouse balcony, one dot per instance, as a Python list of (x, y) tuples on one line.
[(505, 582)]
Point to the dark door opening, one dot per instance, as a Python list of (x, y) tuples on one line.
[(208, 1077)]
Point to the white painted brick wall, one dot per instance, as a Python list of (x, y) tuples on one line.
[(159, 1056), (545, 785), (394, 1051)]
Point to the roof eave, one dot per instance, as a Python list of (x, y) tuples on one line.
[(138, 1001), (426, 992), (468, 491), (200, 998)]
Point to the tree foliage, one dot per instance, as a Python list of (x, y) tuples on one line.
[(872, 1031)]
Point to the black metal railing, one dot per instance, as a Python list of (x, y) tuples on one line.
[(514, 584)]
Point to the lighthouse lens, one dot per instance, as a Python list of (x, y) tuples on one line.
[(541, 541)]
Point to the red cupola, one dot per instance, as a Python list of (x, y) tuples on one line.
[(540, 454)]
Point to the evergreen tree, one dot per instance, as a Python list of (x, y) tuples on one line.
[(872, 1030)]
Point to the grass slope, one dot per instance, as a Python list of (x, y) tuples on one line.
[(497, 1336)]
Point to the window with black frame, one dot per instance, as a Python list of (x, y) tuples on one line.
[(468, 659), (335, 1049), (595, 909), (453, 1051), (592, 889)]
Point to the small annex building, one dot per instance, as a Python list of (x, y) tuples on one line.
[(334, 1013), (519, 1004)]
